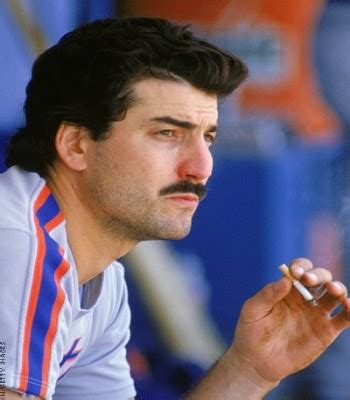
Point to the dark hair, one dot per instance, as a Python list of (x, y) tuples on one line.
[(86, 79)]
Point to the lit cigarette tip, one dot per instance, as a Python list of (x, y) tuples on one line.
[(298, 285)]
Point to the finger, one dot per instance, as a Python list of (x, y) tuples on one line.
[(336, 293), (303, 270), (316, 277), (262, 303), (342, 320), (299, 266)]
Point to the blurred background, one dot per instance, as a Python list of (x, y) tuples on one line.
[(280, 187)]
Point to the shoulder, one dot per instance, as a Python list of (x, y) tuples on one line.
[(114, 296), (18, 190), (115, 278)]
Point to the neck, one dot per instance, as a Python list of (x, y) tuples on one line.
[(93, 247)]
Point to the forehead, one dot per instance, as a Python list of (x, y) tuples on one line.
[(179, 98)]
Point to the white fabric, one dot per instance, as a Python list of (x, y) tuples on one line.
[(43, 321)]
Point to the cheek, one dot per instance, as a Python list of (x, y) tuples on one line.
[(137, 176), (154, 164), (143, 170)]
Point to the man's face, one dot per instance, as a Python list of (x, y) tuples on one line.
[(140, 180)]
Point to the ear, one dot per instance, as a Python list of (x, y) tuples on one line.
[(71, 145)]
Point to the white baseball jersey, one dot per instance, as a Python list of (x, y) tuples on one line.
[(59, 341)]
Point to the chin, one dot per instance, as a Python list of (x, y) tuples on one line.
[(168, 233), (156, 228), (177, 234)]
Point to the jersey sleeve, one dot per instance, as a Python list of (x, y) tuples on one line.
[(103, 370), (14, 255), (27, 331)]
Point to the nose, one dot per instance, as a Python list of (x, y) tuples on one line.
[(196, 161)]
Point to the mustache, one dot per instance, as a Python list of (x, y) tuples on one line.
[(186, 187)]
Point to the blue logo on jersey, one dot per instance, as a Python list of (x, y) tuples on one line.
[(71, 354)]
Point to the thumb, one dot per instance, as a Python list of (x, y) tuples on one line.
[(262, 303)]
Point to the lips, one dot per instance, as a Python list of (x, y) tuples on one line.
[(184, 198)]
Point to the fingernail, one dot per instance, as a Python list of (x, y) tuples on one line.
[(312, 276), (299, 270), (338, 285)]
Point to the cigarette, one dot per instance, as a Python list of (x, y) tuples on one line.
[(298, 285)]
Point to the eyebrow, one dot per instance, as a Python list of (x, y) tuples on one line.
[(180, 123)]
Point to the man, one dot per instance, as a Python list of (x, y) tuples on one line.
[(120, 118)]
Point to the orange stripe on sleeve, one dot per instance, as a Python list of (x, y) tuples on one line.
[(34, 291), (59, 273)]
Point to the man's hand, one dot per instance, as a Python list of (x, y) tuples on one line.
[(278, 333)]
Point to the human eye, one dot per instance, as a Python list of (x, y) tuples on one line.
[(210, 138), (167, 134)]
